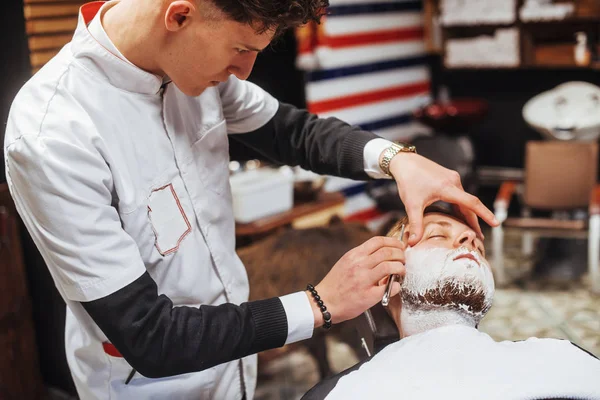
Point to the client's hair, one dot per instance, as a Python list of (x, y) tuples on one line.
[(440, 208)]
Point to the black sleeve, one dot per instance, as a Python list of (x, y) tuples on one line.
[(297, 137), (160, 340), (323, 388)]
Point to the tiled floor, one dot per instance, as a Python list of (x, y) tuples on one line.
[(521, 310)]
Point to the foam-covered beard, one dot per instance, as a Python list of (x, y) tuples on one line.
[(457, 279)]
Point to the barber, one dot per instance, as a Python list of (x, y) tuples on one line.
[(117, 159)]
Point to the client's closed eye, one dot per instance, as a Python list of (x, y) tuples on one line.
[(436, 236)]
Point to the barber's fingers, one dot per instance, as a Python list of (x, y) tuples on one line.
[(377, 242), (415, 216), (469, 216), (386, 269), (473, 222), (378, 291), (468, 202), (386, 254)]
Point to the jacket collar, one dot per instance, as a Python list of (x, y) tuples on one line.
[(98, 60)]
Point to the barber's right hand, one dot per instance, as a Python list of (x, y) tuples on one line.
[(355, 283)]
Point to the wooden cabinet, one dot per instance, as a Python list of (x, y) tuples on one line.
[(19, 371), (50, 25), (537, 44)]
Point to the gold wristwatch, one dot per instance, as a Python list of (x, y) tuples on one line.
[(390, 152)]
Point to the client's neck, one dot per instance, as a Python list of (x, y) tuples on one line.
[(417, 320)]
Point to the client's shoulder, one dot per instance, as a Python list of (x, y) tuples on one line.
[(558, 350), (552, 343)]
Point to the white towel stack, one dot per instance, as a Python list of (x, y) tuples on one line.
[(545, 10), (500, 50), (477, 12)]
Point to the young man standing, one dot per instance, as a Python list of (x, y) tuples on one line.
[(117, 159)]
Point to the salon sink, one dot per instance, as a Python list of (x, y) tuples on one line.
[(570, 111)]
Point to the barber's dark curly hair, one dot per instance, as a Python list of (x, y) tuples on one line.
[(276, 15)]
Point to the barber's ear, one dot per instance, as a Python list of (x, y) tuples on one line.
[(178, 14)]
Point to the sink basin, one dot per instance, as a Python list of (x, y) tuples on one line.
[(570, 111)]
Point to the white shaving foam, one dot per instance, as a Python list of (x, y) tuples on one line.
[(431, 269)]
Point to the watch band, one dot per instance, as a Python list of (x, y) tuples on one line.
[(390, 152)]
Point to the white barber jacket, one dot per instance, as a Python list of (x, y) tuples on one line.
[(140, 171)]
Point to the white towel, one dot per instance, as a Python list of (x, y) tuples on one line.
[(459, 362)]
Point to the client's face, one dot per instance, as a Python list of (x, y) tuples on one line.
[(448, 269)]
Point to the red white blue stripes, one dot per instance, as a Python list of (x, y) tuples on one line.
[(366, 65)]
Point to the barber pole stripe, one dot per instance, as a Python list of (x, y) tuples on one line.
[(366, 64), (364, 215), (373, 7), (358, 203), (363, 98), (336, 73), (367, 54), (378, 110), (353, 24), (368, 38), (381, 124), (336, 3), (366, 82)]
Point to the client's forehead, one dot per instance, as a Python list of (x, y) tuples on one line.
[(443, 219), (453, 224), (432, 218)]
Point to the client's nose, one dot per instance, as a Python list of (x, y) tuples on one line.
[(466, 239)]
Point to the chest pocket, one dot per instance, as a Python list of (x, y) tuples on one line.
[(211, 155), (168, 218)]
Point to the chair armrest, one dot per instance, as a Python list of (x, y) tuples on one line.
[(595, 201), (505, 193)]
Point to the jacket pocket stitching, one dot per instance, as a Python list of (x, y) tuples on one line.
[(184, 216)]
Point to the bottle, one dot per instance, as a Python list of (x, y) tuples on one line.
[(582, 52)]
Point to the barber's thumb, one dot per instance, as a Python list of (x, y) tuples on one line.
[(415, 218)]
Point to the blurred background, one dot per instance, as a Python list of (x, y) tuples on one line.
[(506, 92)]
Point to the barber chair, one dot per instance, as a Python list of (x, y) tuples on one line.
[(560, 177), (376, 329)]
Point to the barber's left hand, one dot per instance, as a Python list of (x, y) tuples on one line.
[(422, 182)]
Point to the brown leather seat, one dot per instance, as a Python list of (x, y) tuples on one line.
[(560, 177)]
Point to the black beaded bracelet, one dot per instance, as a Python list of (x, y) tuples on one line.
[(326, 314)]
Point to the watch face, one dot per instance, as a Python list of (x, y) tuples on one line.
[(407, 147)]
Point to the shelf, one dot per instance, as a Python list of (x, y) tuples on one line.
[(479, 26), (565, 21), (543, 45), (594, 67)]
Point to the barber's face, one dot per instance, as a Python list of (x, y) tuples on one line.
[(204, 52), (448, 268)]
